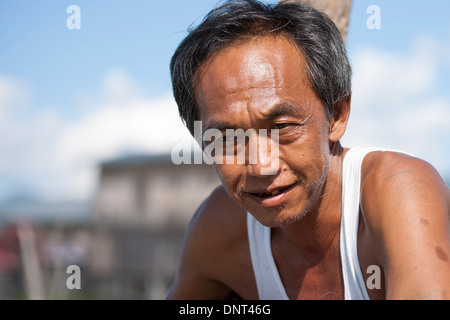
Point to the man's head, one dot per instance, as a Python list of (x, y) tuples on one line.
[(265, 77), (313, 33)]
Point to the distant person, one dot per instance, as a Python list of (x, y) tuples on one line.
[(327, 222)]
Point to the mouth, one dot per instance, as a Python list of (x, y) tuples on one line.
[(273, 197)]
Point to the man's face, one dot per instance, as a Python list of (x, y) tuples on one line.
[(262, 84)]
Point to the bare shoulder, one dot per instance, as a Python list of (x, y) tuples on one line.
[(393, 176), (219, 219), (213, 246), (405, 210)]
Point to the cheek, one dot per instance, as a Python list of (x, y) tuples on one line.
[(309, 156), (230, 175)]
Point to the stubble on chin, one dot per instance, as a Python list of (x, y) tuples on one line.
[(315, 191)]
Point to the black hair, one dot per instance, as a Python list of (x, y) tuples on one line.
[(315, 35)]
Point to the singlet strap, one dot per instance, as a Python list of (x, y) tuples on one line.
[(268, 281), (354, 286), (267, 277)]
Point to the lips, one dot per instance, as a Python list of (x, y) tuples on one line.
[(271, 197), (267, 194)]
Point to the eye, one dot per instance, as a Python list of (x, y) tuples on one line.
[(281, 126)]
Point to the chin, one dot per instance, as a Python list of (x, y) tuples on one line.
[(280, 217)]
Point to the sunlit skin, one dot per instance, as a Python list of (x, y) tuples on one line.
[(259, 86), (263, 84), (404, 220)]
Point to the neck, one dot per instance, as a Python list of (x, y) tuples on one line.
[(316, 234)]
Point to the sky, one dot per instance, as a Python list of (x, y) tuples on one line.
[(72, 98)]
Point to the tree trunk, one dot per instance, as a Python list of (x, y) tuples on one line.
[(337, 10)]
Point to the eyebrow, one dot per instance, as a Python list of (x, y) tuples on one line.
[(281, 109), (221, 126)]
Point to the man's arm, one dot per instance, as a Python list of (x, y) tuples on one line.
[(406, 208), (208, 251)]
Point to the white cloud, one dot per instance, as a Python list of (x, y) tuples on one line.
[(60, 157), (396, 103), (13, 98), (123, 122), (27, 140)]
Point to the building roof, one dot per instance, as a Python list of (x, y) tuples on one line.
[(140, 160), (67, 211)]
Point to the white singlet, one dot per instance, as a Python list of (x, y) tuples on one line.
[(268, 281)]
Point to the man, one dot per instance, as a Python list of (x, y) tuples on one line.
[(326, 222)]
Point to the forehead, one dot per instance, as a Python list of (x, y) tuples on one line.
[(255, 73)]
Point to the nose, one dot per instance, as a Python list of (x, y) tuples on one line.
[(264, 158)]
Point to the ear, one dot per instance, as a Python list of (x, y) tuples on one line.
[(338, 123)]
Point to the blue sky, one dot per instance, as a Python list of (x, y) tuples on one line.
[(72, 98), (60, 64)]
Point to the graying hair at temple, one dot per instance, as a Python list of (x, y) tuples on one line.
[(315, 35)]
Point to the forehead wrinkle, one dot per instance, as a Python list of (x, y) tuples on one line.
[(218, 117), (258, 105), (257, 72), (251, 79), (257, 68)]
